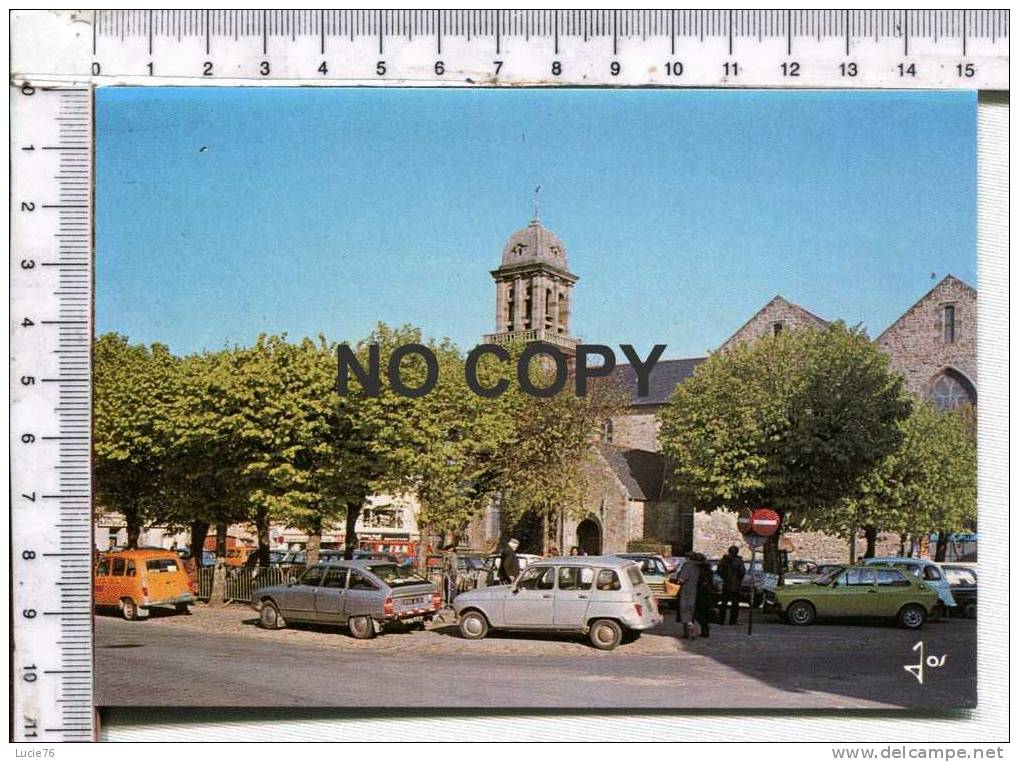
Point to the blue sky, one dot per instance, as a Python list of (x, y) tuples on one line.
[(223, 213)]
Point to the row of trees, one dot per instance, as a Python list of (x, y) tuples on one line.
[(816, 426), (260, 435)]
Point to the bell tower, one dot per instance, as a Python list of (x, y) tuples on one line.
[(534, 289)]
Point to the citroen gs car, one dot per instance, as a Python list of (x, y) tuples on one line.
[(863, 592), (603, 597), (364, 595)]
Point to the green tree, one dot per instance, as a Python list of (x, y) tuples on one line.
[(134, 387), (928, 483), (792, 422)]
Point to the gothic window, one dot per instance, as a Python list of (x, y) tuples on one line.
[(950, 390), (948, 323), (518, 249), (776, 328), (555, 251)]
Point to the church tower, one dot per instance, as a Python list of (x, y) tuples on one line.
[(534, 290)]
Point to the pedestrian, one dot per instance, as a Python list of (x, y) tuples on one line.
[(450, 571), (509, 564), (705, 592), (553, 551), (732, 570), (686, 598), (574, 551)]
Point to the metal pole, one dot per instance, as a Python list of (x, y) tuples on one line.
[(750, 617)]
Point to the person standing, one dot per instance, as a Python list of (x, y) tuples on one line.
[(732, 570), (687, 597), (509, 564), (705, 591), (450, 572)]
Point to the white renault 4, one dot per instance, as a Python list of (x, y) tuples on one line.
[(603, 597)]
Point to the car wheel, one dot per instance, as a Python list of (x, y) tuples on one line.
[(129, 609), (605, 634), (182, 608), (801, 613), (473, 625), (912, 616), (270, 617), (361, 627)]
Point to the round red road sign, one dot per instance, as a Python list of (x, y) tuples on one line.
[(743, 521), (764, 522)]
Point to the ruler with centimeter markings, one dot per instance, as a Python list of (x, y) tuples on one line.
[(58, 57)]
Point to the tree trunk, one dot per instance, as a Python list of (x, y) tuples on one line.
[(942, 548), (199, 531), (262, 530), (870, 535), (314, 546), (218, 595), (771, 559), (350, 529), (903, 538), (133, 532)]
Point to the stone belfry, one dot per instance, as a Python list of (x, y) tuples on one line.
[(534, 289)]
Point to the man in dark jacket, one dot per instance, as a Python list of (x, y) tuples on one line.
[(732, 570), (509, 564)]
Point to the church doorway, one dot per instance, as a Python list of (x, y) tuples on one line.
[(589, 537)]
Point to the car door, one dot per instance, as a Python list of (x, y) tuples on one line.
[(363, 596), (531, 602), (331, 595), (299, 600), (102, 584), (894, 591), (572, 595), (863, 597), (836, 599)]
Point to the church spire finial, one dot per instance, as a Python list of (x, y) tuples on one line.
[(537, 203)]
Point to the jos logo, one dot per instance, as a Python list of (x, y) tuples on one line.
[(931, 662)]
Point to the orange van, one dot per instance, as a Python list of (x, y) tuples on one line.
[(136, 580)]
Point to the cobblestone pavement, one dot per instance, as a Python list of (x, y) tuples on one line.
[(219, 656)]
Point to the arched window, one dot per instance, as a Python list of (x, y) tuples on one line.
[(950, 389)]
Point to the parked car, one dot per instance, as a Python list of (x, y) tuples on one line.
[(652, 566), (370, 555), (802, 572), (755, 580), (365, 595), (287, 558), (489, 574), (857, 592), (929, 572), (603, 597), (672, 563), (963, 581), (137, 580)]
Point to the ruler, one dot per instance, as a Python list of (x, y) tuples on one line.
[(675, 48), (58, 57), (50, 332)]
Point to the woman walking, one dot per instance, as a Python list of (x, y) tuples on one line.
[(687, 597)]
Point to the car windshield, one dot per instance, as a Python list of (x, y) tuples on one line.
[(960, 577), (396, 576), (649, 564)]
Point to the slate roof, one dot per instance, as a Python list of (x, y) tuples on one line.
[(642, 472), (665, 377)]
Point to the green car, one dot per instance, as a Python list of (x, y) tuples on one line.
[(864, 592)]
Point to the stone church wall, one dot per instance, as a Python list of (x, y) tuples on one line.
[(638, 429), (669, 523), (714, 532), (778, 310), (915, 341)]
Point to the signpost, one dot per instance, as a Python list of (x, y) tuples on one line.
[(756, 526)]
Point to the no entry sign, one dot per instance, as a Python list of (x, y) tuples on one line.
[(764, 522)]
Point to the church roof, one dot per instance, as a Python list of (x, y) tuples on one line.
[(534, 244), (947, 282), (665, 377), (641, 472)]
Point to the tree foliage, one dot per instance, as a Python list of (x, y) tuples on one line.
[(792, 421)]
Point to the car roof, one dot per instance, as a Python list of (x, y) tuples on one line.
[(615, 562), (141, 552), (638, 555), (357, 563), (898, 560)]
